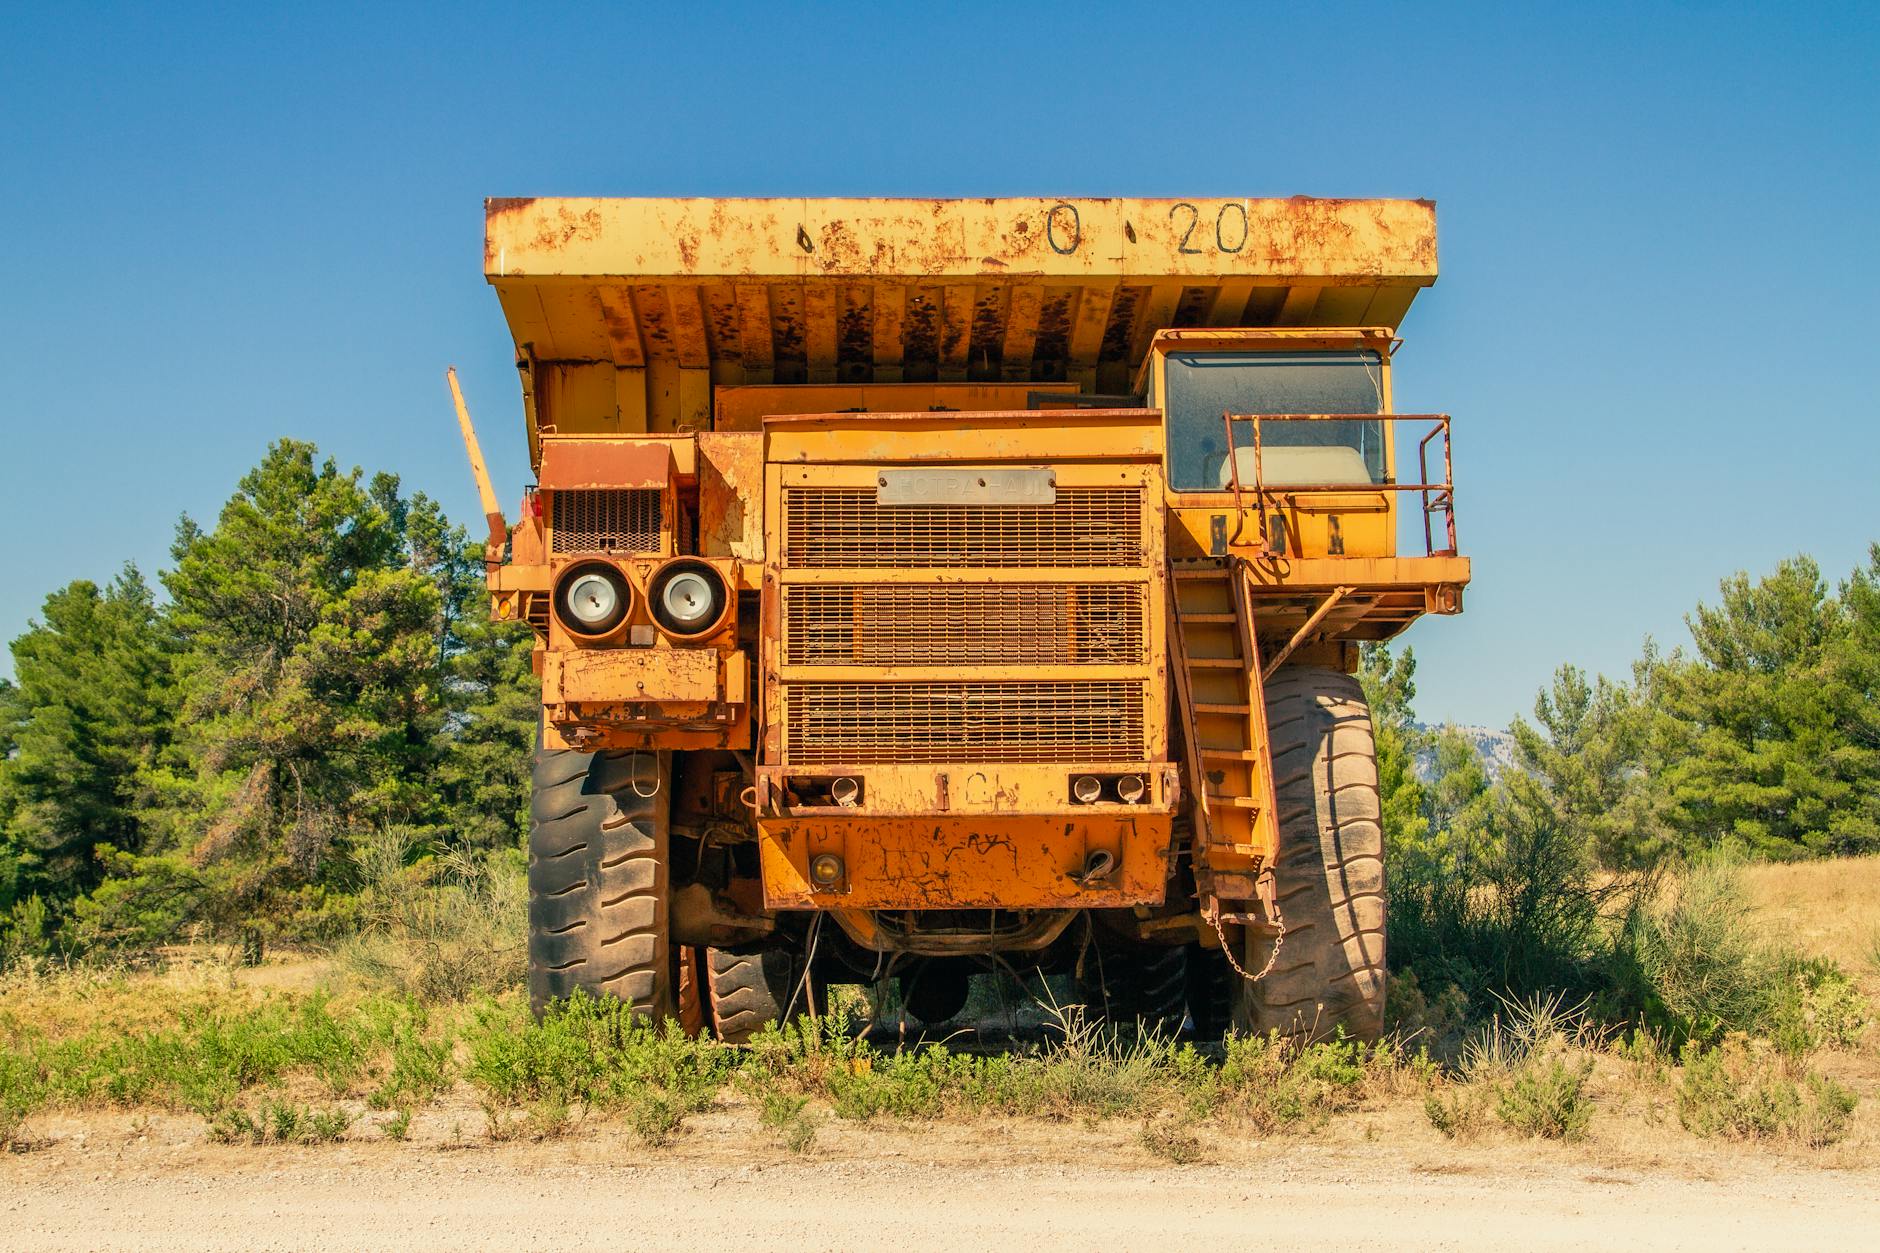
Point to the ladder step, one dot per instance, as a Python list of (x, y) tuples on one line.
[(1238, 802), (1202, 619), (1231, 754), (1204, 572), (1217, 663), (1202, 708)]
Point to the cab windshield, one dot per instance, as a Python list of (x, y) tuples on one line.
[(1203, 386)]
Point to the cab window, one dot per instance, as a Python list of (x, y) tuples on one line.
[(1203, 386)]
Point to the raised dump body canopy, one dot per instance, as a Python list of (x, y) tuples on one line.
[(627, 313)]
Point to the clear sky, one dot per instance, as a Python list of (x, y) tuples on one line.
[(1658, 228)]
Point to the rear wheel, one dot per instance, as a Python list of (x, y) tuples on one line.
[(1129, 983), (749, 990), (597, 880), (1330, 870)]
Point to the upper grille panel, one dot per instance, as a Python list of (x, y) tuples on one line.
[(834, 527), (605, 520)]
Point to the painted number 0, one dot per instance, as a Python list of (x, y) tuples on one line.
[(1074, 228), (1222, 231)]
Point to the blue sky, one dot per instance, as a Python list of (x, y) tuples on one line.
[(1657, 226)]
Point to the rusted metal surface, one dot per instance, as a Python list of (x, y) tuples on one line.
[(630, 311), (656, 675), (731, 494), (569, 465), (745, 408), (943, 862)]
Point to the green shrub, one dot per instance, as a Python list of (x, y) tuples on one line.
[(420, 1067), (279, 1122), (1272, 1086), (1459, 1113), (1693, 962), (1816, 1006), (437, 929), (22, 1093), (787, 1115), (590, 1053), (1741, 1091), (1547, 1097)]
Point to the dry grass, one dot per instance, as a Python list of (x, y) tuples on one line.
[(1826, 909)]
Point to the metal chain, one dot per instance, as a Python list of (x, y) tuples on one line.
[(1279, 940)]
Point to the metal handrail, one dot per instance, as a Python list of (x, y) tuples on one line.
[(1436, 497)]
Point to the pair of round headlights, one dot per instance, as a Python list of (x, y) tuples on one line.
[(687, 598)]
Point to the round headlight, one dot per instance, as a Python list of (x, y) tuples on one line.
[(593, 600), (688, 601), (688, 598)]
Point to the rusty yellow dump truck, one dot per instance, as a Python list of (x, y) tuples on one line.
[(923, 587)]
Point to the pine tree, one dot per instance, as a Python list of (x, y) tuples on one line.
[(87, 713), (1756, 749), (315, 623)]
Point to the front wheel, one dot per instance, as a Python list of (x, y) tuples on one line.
[(1330, 869), (597, 880)]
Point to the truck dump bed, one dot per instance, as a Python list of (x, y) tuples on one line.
[(628, 312)]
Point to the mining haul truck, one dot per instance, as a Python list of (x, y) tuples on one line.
[(927, 587)]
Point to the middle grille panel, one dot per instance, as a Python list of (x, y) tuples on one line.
[(1020, 624), (841, 723)]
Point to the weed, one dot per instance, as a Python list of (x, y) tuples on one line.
[(1171, 1140), (398, 1126), (655, 1116), (1458, 1115), (420, 1067), (1741, 1091), (788, 1117), (22, 1092), (592, 1053), (279, 1122), (438, 929), (1816, 1007)]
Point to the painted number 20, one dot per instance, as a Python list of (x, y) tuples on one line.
[(1230, 226)]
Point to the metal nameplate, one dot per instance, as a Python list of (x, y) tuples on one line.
[(956, 486)]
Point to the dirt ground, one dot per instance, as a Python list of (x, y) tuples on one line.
[(114, 1181)]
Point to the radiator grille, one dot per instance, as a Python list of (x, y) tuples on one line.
[(843, 526), (840, 723), (605, 520), (1020, 624)]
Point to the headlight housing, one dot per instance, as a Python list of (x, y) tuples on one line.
[(592, 599), (688, 597)]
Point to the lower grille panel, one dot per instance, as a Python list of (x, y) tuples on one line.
[(845, 723)]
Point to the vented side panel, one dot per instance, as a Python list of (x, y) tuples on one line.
[(843, 526), (605, 520), (845, 723), (1020, 624)]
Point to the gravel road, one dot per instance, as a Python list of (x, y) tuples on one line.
[(1029, 1189)]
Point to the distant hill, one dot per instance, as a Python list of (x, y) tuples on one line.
[(1496, 749)]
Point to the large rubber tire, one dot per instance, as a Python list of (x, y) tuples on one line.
[(1330, 869), (749, 991), (597, 880), (1130, 984)]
